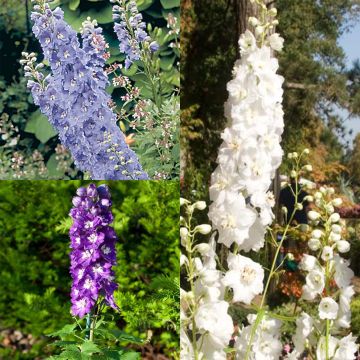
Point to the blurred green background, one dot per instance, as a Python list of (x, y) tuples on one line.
[(29, 147), (34, 262)]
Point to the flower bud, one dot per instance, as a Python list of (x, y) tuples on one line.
[(203, 248), (317, 234), (329, 208), (293, 174), (313, 215), (290, 256), (308, 168), (304, 228), (299, 206), (203, 229), (309, 198), (200, 205), (284, 210), (183, 201), (183, 235), (330, 190), (334, 218), (335, 228), (337, 202), (259, 30), (183, 260), (334, 237), (306, 151), (273, 12), (343, 246), (327, 253), (318, 195), (253, 21), (314, 244)]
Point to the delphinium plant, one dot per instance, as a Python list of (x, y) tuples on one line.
[(151, 112), (325, 334), (222, 274), (74, 99), (93, 255)]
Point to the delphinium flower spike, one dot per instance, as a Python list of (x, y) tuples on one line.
[(131, 31), (74, 99), (93, 249)]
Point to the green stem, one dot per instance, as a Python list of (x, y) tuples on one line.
[(88, 326), (260, 313), (192, 286), (327, 339)]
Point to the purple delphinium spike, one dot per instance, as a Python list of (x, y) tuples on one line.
[(93, 249), (131, 31), (75, 101)]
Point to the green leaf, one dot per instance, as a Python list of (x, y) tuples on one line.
[(166, 63), (71, 355), (130, 355), (74, 4), (52, 166), (63, 343), (130, 71), (169, 4), (144, 4), (88, 347), (123, 336), (66, 330), (104, 16), (39, 125)]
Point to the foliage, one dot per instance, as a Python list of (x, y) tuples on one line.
[(34, 277), (74, 344)]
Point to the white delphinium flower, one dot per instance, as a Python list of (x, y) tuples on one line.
[(344, 315), (233, 219), (276, 42), (245, 277), (327, 253), (321, 347), (343, 274), (304, 327), (315, 283), (266, 343), (186, 349), (251, 151), (328, 308), (215, 327), (347, 348), (309, 262)]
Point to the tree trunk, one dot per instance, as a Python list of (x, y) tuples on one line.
[(243, 10)]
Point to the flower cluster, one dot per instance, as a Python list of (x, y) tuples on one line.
[(204, 311), (93, 249), (241, 206), (328, 282), (73, 97), (131, 31), (266, 339), (251, 151)]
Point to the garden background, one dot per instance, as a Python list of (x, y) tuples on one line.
[(321, 93), (34, 264)]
